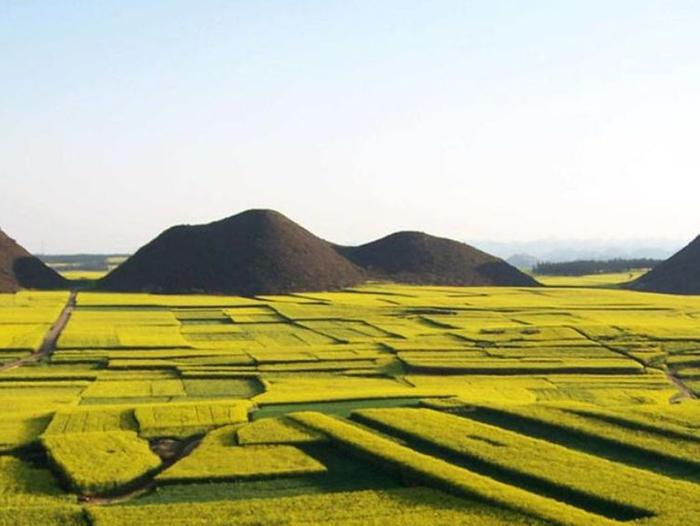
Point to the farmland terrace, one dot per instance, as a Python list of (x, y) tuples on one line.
[(381, 404)]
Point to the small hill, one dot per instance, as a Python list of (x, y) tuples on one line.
[(680, 274), (254, 252), (19, 269), (418, 258)]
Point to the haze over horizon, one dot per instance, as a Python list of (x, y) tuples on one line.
[(471, 120)]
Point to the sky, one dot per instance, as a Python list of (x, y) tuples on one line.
[(493, 119)]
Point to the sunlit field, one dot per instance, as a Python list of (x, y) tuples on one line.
[(613, 279), (384, 404), (78, 275)]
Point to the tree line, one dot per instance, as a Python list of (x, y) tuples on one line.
[(590, 266)]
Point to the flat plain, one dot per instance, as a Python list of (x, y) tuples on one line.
[(572, 404)]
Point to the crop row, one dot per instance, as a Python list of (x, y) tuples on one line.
[(620, 491), (436, 472), (651, 444), (407, 507)]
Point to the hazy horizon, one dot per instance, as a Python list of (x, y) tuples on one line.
[(548, 249), (471, 120)]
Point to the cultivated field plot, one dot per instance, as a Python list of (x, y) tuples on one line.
[(25, 318), (385, 404)]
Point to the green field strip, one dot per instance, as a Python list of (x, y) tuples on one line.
[(120, 317), (81, 420), (445, 476), (405, 506), (684, 360), (323, 365), (136, 364), (224, 388), (583, 480), (217, 457), (505, 366), (343, 473), (605, 440), (279, 356), (184, 419), (275, 430), (638, 422), (135, 388), (215, 360), (339, 408), (136, 374), (462, 453), (694, 386), (43, 374), (216, 372), (160, 301)]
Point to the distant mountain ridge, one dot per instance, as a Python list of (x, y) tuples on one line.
[(563, 250)]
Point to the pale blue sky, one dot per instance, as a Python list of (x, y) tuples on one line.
[(484, 119)]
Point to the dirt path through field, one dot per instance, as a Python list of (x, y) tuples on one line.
[(684, 392), (48, 346), (610, 348)]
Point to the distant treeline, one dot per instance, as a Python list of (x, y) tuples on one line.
[(583, 267)]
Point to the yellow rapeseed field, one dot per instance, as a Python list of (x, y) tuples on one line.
[(574, 404)]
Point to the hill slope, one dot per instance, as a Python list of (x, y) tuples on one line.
[(415, 257), (254, 252), (19, 269), (680, 274)]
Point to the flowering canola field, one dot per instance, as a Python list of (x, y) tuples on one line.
[(385, 404)]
